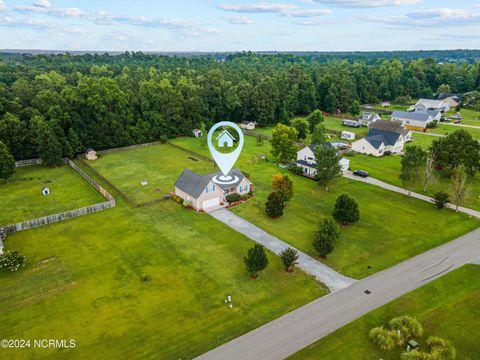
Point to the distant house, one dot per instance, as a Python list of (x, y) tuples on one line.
[(225, 139), (197, 133), (307, 161), (416, 120), (452, 99), (248, 125), (348, 135), (368, 117), (383, 136), (428, 104), (204, 194), (351, 123), (385, 104), (91, 154)]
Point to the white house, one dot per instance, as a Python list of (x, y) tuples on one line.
[(368, 117), (385, 103), (248, 125), (225, 139), (428, 104), (307, 161), (197, 133), (348, 135), (383, 136), (416, 120), (203, 194)]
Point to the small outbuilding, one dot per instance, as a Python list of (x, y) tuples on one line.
[(348, 135), (45, 191), (197, 133), (248, 125), (91, 154)]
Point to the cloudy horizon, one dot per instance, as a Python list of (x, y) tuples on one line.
[(237, 25)]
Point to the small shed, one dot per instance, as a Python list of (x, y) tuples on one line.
[(197, 133), (91, 154), (386, 104), (45, 191), (248, 125), (344, 164), (348, 135)]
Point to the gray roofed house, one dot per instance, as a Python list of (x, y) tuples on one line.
[(416, 119), (204, 194)]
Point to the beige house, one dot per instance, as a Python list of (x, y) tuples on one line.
[(248, 125), (91, 154), (204, 194)]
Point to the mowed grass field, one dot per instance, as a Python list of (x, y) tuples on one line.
[(159, 165), (447, 308), (392, 228), (22, 197), (83, 281)]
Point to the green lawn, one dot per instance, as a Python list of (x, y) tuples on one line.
[(447, 307), (470, 117), (159, 165), (82, 282), (392, 228), (448, 129), (22, 197)]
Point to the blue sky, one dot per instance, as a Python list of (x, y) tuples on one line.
[(228, 25)]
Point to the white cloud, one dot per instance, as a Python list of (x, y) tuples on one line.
[(262, 7), (59, 12), (367, 3), (238, 20), (42, 4), (308, 12), (2, 5)]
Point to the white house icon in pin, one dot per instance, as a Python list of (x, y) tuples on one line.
[(225, 139)]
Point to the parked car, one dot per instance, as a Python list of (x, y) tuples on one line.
[(457, 122), (360, 173)]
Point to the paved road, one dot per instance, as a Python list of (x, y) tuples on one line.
[(322, 273), (300, 328), (376, 182)]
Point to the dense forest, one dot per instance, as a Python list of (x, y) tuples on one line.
[(66, 103)]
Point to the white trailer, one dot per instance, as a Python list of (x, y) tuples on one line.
[(348, 135)]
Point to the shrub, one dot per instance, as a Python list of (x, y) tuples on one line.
[(256, 260), (275, 205), (145, 278), (232, 198), (408, 326), (437, 349), (346, 210), (383, 338), (289, 258), (12, 260), (283, 185), (326, 236), (297, 170), (440, 199)]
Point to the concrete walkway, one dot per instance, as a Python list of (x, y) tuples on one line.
[(322, 273), (300, 328), (376, 182)]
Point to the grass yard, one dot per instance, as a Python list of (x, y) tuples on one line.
[(22, 197), (448, 129), (159, 165), (83, 282), (470, 117), (380, 240), (447, 307)]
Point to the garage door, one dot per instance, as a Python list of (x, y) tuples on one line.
[(207, 204)]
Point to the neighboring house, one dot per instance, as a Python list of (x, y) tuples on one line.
[(348, 135), (416, 120), (351, 123), (225, 139), (204, 194), (248, 125), (428, 104), (452, 99), (385, 104), (368, 117), (307, 161), (91, 154), (383, 136), (197, 133)]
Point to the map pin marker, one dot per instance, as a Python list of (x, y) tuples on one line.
[(225, 140)]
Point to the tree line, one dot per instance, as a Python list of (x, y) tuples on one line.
[(60, 105)]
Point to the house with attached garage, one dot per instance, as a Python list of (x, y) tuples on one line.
[(383, 137), (428, 104), (203, 194), (416, 120), (307, 161), (368, 117)]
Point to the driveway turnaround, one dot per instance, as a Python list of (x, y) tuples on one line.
[(300, 328), (322, 273), (376, 182)]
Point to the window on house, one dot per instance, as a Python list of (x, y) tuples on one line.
[(241, 190), (246, 187), (213, 187), (206, 189)]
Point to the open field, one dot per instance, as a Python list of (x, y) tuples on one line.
[(470, 117), (22, 197), (382, 238), (448, 129), (83, 282), (447, 307), (160, 165)]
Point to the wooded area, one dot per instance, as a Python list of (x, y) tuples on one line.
[(59, 105)]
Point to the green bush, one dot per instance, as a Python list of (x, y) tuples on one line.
[(256, 260), (346, 210), (232, 198), (275, 205), (327, 234), (440, 199), (12, 260), (289, 258), (385, 339)]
